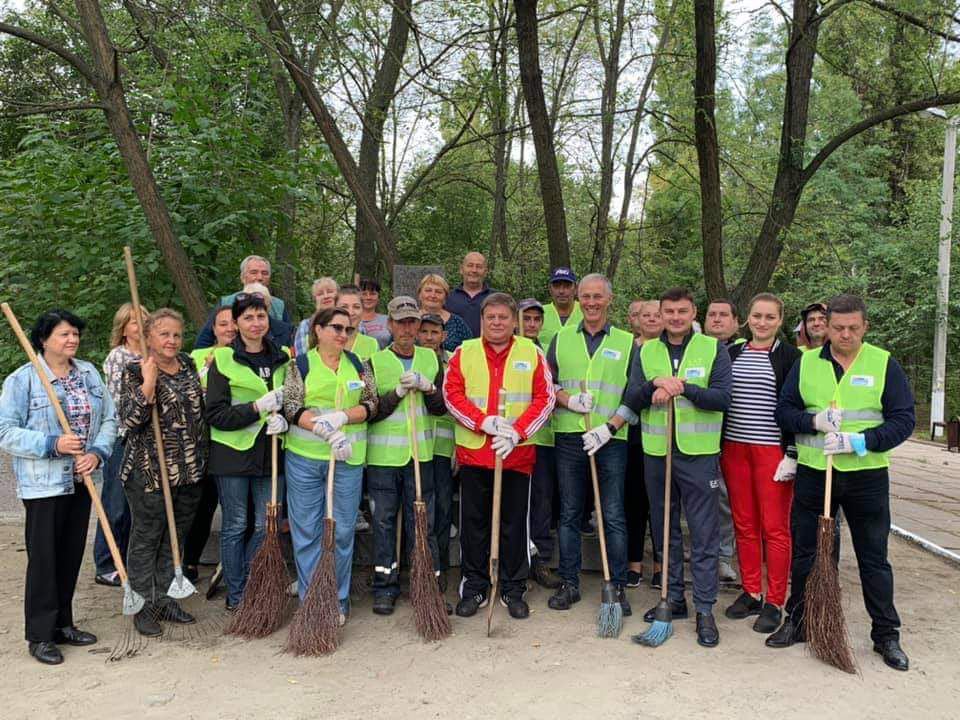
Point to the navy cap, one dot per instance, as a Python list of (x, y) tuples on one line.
[(563, 274), (529, 304)]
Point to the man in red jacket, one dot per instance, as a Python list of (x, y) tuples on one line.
[(477, 372)]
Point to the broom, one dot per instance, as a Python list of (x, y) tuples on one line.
[(315, 628), (826, 627), (495, 521), (429, 610), (265, 596), (131, 642), (610, 616), (662, 627)]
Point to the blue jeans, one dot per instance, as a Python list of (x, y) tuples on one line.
[(306, 509), (572, 468), (236, 552), (118, 513)]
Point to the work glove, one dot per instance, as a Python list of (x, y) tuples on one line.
[(786, 470), (503, 445), (340, 446), (827, 421), (580, 403), (494, 425), (271, 402), (412, 380), (840, 443), (328, 423), (596, 439), (276, 424)]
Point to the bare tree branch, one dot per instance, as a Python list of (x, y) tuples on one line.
[(79, 65)]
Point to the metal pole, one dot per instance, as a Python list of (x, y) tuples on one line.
[(943, 277)]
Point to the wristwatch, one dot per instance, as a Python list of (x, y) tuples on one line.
[(611, 428)]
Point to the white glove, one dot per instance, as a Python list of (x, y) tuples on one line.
[(841, 443), (596, 439), (401, 391), (328, 423), (415, 381), (828, 420), (276, 424), (494, 425), (580, 403), (341, 447), (503, 445), (271, 402), (786, 470)]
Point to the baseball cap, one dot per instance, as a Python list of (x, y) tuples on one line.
[(403, 307), (432, 318), (818, 306), (563, 274), (529, 304)]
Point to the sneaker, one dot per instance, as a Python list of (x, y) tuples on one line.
[(229, 606), (111, 579), (679, 611), (786, 635), (171, 611), (564, 598), (517, 607), (146, 623), (362, 524), (634, 579), (468, 606), (726, 571), (745, 606), (656, 580), (769, 619), (543, 575), (453, 531), (384, 604), (624, 603), (344, 612)]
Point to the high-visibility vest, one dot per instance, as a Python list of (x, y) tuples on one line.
[(697, 431), (365, 346), (552, 324), (517, 383), (443, 429), (388, 440), (199, 357), (857, 395), (320, 395), (605, 375), (245, 387)]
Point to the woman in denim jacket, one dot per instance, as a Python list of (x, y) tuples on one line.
[(49, 466)]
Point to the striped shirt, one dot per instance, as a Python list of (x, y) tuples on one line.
[(749, 418)]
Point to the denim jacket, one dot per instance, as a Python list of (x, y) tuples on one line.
[(29, 430)]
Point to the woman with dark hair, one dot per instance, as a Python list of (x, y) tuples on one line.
[(48, 466), (244, 395), (372, 322), (165, 379)]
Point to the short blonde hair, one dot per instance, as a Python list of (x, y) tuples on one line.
[(158, 315), (121, 317), (325, 280), (434, 279)]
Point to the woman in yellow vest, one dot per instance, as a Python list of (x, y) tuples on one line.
[(363, 346), (244, 395), (328, 397)]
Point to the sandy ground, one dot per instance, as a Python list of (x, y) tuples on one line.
[(550, 666)]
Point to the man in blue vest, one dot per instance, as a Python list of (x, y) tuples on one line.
[(873, 413)]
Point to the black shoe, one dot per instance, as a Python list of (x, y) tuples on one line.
[(110, 579), (624, 603), (72, 636), (468, 606), (172, 612), (564, 598), (678, 611), (893, 654), (656, 580), (384, 604), (707, 633), (517, 607), (745, 606), (634, 579), (543, 575), (146, 622), (46, 652), (769, 619), (215, 581), (787, 635), (191, 573), (229, 606)]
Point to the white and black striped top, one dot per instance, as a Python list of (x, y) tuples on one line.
[(754, 400)]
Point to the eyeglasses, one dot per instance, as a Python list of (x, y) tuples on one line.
[(341, 329), (245, 296)]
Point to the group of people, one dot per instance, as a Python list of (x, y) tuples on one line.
[(459, 381)]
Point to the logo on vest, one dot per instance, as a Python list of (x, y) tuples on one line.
[(522, 366), (862, 381), (695, 373), (611, 354), (354, 384)]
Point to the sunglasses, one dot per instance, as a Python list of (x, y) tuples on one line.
[(341, 329), (244, 296)]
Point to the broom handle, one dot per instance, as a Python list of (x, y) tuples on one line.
[(667, 483), (828, 480), (596, 498), (154, 416), (414, 442), (274, 471), (332, 462), (497, 492), (65, 426)]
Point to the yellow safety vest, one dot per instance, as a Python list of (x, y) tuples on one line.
[(200, 361), (365, 346), (245, 387), (552, 324), (388, 440)]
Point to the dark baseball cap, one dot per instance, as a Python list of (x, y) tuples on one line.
[(529, 304), (817, 306), (433, 318), (563, 274)]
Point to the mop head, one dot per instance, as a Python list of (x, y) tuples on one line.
[(315, 629), (429, 610), (661, 629), (610, 616), (264, 600), (823, 617)]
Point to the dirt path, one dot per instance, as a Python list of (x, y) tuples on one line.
[(550, 666)]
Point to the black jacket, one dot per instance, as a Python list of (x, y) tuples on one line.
[(221, 414)]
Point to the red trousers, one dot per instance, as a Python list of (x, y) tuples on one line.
[(761, 515)]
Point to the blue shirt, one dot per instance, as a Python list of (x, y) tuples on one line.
[(460, 303)]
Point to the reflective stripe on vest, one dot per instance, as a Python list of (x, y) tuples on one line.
[(388, 440), (365, 346), (517, 381), (320, 396), (552, 324), (697, 431), (245, 387), (858, 396), (606, 375)]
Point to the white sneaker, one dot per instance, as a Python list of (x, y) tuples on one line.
[(294, 588), (453, 531), (727, 573)]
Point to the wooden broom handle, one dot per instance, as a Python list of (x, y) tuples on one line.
[(414, 442), (497, 490), (154, 414), (596, 496), (274, 461), (828, 479), (667, 483), (332, 462), (65, 426)]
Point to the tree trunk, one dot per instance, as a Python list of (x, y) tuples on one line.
[(109, 88), (286, 242), (498, 19), (531, 78), (371, 140)]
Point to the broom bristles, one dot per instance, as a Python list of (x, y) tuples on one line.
[(823, 618), (657, 634), (429, 610), (609, 620), (315, 629), (264, 599)]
